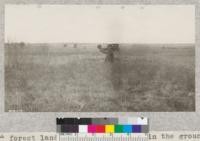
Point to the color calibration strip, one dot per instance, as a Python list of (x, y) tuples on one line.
[(102, 125)]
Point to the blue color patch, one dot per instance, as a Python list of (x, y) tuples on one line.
[(127, 128), (137, 129)]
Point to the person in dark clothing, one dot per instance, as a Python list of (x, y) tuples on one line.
[(109, 51)]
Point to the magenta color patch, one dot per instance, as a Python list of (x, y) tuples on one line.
[(91, 128)]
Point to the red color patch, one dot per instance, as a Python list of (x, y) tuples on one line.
[(100, 128)]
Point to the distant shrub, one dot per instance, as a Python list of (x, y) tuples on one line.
[(75, 45), (21, 44)]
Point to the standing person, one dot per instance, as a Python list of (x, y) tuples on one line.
[(109, 51), (114, 69)]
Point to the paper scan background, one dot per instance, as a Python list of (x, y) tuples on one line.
[(46, 122)]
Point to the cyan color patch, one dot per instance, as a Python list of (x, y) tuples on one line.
[(127, 128)]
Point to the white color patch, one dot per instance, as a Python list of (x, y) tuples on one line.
[(83, 128)]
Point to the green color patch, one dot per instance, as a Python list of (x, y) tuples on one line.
[(118, 128)]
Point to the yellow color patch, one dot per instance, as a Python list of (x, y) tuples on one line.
[(110, 128)]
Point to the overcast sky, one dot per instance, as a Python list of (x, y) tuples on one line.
[(88, 24)]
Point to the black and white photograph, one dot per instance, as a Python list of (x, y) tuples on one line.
[(99, 58)]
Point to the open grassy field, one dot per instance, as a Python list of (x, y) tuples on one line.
[(63, 78)]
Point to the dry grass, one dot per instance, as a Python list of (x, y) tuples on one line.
[(67, 79)]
